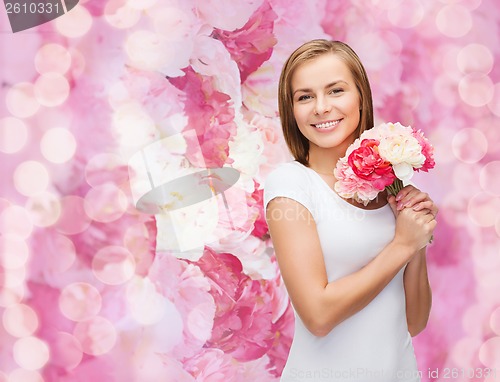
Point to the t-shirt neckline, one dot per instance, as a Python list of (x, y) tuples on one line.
[(337, 195)]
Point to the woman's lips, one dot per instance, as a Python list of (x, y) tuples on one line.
[(327, 125)]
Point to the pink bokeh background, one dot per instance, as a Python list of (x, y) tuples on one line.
[(94, 289)]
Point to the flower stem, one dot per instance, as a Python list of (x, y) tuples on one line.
[(395, 187)]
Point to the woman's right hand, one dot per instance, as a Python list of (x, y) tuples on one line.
[(413, 228)]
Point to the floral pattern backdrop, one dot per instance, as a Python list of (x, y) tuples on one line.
[(116, 98)]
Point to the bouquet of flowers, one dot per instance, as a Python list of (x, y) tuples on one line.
[(382, 158)]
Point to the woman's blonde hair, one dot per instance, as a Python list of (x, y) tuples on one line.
[(296, 142)]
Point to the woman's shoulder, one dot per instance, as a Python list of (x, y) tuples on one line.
[(288, 171), (291, 180)]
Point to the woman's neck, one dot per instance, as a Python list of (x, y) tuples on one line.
[(323, 160)]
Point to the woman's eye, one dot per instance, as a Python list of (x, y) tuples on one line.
[(304, 97), (337, 91)]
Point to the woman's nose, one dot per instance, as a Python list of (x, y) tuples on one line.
[(322, 106)]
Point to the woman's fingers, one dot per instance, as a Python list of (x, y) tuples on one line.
[(412, 197), (426, 205)]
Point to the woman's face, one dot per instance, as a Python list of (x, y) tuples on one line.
[(326, 102)]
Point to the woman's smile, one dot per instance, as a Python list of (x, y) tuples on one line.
[(327, 126)]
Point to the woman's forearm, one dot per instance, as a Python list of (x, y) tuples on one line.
[(418, 293), (352, 293)]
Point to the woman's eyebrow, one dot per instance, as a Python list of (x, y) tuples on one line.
[(308, 90)]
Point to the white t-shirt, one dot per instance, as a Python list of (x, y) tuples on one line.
[(373, 344)]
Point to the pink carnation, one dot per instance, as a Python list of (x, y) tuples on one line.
[(427, 150), (349, 185), (242, 325), (260, 225), (210, 114), (368, 165), (253, 44)]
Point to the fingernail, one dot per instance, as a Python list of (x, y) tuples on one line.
[(398, 197), (400, 206)]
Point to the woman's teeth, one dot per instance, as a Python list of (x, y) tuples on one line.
[(326, 125)]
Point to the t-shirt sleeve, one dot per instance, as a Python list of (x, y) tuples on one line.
[(288, 181)]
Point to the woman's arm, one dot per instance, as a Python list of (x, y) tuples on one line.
[(416, 282), (418, 293), (323, 305)]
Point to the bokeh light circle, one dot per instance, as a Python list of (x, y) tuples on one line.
[(489, 353), (66, 351), (483, 209), (475, 58), (4, 204), (61, 254), (20, 320), (52, 58), (408, 15), (80, 301), (113, 265), (465, 173), (465, 351), (105, 203), (31, 353), (75, 23), (16, 220), (58, 145), (137, 241), (14, 251), (31, 178), (13, 135), (120, 15), (21, 101), (469, 4), (454, 20), (494, 104), (44, 209), (469, 145), (10, 296), (476, 89), (96, 335), (23, 375), (489, 178), (51, 89), (487, 126), (73, 217), (13, 278)]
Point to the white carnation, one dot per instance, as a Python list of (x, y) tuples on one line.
[(402, 149)]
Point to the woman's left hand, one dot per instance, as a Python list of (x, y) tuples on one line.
[(412, 197)]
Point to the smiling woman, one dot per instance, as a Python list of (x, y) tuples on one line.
[(356, 275)]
